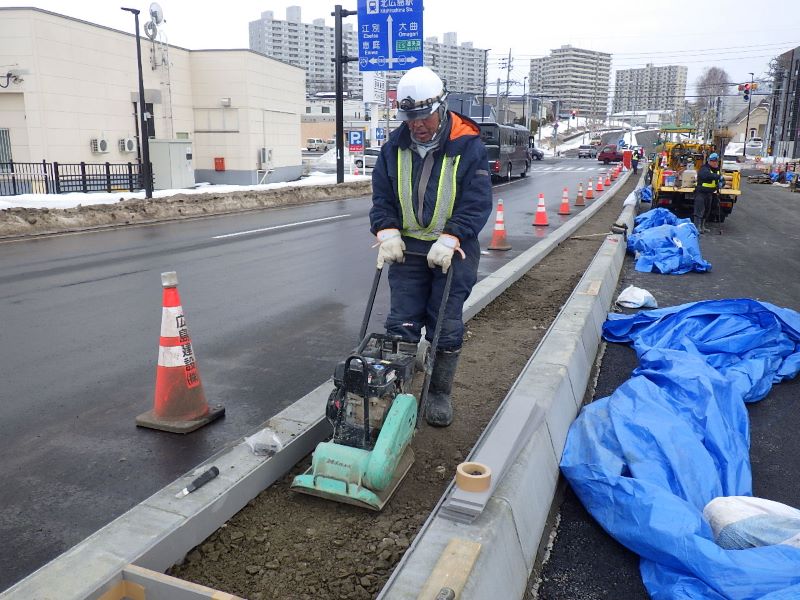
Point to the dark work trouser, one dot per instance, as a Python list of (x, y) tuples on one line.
[(416, 294), (702, 204)]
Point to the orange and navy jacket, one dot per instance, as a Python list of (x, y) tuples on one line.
[(473, 202)]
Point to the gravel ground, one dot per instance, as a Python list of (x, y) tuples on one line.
[(284, 545)]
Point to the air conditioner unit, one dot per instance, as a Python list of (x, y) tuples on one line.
[(127, 145), (99, 145)]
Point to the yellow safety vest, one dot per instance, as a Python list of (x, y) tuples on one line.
[(445, 197), (710, 185)]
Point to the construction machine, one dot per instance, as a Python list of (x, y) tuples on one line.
[(674, 166)]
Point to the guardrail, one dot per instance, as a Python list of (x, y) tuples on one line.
[(59, 178)]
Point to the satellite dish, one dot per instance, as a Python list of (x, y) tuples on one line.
[(156, 13), (150, 30)]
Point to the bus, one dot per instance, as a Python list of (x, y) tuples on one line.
[(507, 147)]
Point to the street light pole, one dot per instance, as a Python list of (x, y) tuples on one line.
[(146, 171), (524, 101), (340, 58), (483, 98), (747, 123)]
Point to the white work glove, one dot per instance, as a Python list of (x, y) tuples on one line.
[(441, 253), (391, 247)]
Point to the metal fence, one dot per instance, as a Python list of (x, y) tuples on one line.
[(59, 178)]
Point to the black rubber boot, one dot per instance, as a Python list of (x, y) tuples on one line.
[(439, 408), (699, 224)]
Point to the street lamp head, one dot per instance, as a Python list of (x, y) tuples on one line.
[(135, 11)]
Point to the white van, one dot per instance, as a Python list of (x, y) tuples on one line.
[(317, 145)]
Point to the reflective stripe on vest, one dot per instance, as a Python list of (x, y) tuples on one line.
[(445, 196), (711, 185)]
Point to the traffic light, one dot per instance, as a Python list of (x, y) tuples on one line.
[(746, 89)]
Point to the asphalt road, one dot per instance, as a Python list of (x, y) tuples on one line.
[(273, 300), (757, 256)]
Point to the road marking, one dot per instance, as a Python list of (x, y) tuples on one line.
[(296, 224)]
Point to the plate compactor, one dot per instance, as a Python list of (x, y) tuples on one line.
[(374, 416)]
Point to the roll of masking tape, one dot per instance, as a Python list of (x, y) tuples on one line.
[(473, 477)]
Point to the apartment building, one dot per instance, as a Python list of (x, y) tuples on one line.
[(650, 88), (783, 130), (308, 46), (575, 77)]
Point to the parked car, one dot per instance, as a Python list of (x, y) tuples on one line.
[(536, 153), (370, 156), (317, 145), (609, 154), (587, 151)]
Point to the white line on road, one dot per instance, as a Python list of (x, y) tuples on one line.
[(296, 224)]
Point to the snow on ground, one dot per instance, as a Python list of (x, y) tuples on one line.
[(74, 199)]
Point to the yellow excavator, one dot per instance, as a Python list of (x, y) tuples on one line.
[(673, 169)]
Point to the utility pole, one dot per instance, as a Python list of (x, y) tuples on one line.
[(483, 97), (340, 59), (747, 123), (524, 101), (146, 171)]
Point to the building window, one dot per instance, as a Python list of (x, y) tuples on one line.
[(326, 109), (216, 120), (181, 135), (308, 110)]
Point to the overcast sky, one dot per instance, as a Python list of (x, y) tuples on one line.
[(739, 36)]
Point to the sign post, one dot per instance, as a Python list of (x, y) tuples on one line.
[(389, 35)]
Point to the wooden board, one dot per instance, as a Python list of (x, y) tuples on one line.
[(452, 569)]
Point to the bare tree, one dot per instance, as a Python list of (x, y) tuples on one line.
[(712, 82)]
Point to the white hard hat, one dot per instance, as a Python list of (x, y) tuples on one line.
[(420, 92)]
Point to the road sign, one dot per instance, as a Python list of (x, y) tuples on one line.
[(389, 34), (373, 87), (355, 140), (621, 143), (380, 133)]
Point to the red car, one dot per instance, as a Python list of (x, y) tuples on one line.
[(609, 154)]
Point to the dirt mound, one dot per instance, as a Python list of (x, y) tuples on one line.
[(15, 222)]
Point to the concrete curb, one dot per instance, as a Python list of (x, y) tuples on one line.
[(160, 531), (513, 521)]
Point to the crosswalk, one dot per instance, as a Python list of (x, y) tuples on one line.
[(536, 168)]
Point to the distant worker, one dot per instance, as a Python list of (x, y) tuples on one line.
[(431, 194), (635, 160), (709, 182)]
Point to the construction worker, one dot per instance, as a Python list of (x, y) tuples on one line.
[(635, 160), (709, 182), (431, 194)]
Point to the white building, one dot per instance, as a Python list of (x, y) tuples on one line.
[(650, 88), (574, 78), (81, 84), (308, 46)]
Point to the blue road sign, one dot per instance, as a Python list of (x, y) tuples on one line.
[(389, 34), (356, 139), (380, 133), (621, 143)]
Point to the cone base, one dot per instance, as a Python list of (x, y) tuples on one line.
[(151, 421), (499, 247)]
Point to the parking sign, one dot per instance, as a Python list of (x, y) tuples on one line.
[(355, 139)]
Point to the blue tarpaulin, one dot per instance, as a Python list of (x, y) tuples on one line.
[(663, 243), (647, 459)]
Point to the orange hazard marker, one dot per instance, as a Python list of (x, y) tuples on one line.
[(590, 191), (579, 198), (564, 208), (599, 186), (540, 219), (499, 241), (180, 405), (608, 180)]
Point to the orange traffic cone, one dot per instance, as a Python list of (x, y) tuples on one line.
[(599, 186), (590, 190), (608, 180), (564, 208), (579, 198), (355, 169), (540, 219), (180, 405), (613, 173), (499, 241)]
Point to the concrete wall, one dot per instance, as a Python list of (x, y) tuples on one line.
[(83, 82)]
